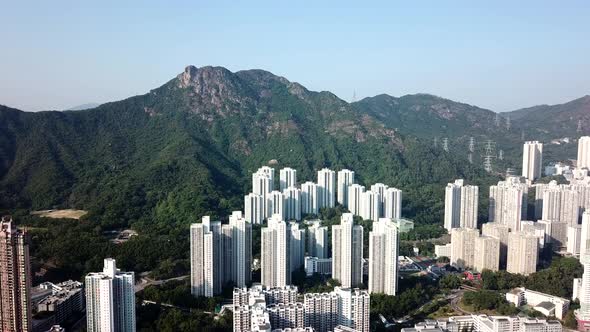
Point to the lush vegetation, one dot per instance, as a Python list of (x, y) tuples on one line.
[(71, 248), (152, 317), (315, 283), (177, 310), (413, 293), (424, 232), (178, 293), (489, 300), (449, 281), (555, 280)]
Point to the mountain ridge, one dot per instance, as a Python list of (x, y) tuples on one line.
[(559, 120), (196, 139)]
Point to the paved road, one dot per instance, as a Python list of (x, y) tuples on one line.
[(455, 303), (145, 282)]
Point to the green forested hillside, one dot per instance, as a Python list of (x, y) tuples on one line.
[(556, 121), (188, 148), (160, 161)]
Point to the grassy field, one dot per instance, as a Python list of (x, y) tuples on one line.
[(60, 214)]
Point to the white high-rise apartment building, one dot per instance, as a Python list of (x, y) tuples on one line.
[(309, 198), (583, 152), (522, 253), (343, 306), (220, 253), (326, 188), (287, 178), (535, 229), (275, 253), (583, 286), (380, 188), (562, 202), (206, 258), (499, 231), (347, 252), (585, 233), (271, 174), (292, 207), (508, 202), (469, 202), (317, 241), (453, 205), (240, 256), (254, 208), (262, 186), (552, 203), (574, 236), (110, 299), (392, 207), (276, 204), (460, 205), (463, 247), (370, 205), (556, 233), (383, 253), (570, 206), (345, 180), (355, 195), (487, 253), (532, 160), (229, 272), (296, 246)]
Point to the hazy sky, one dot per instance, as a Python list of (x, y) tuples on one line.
[(500, 55)]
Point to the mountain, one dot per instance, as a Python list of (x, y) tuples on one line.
[(188, 148), (429, 116), (83, 107), (555, 121)]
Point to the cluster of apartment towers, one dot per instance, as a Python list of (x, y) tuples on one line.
[(510, 241), (110, 295), (222, 253)]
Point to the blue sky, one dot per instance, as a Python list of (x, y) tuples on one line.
[(500, 55)]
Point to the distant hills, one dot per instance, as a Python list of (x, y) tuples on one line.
[(187, 148), (551, 121), (83, 107)]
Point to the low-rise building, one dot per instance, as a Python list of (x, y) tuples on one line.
[(404, 225), (65, 299), (485, 323), (317, 265), (548, 305), (443, 250)]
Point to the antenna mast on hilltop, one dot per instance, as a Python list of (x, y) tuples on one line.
[(353, 96), (446, 144), (489, 155)]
